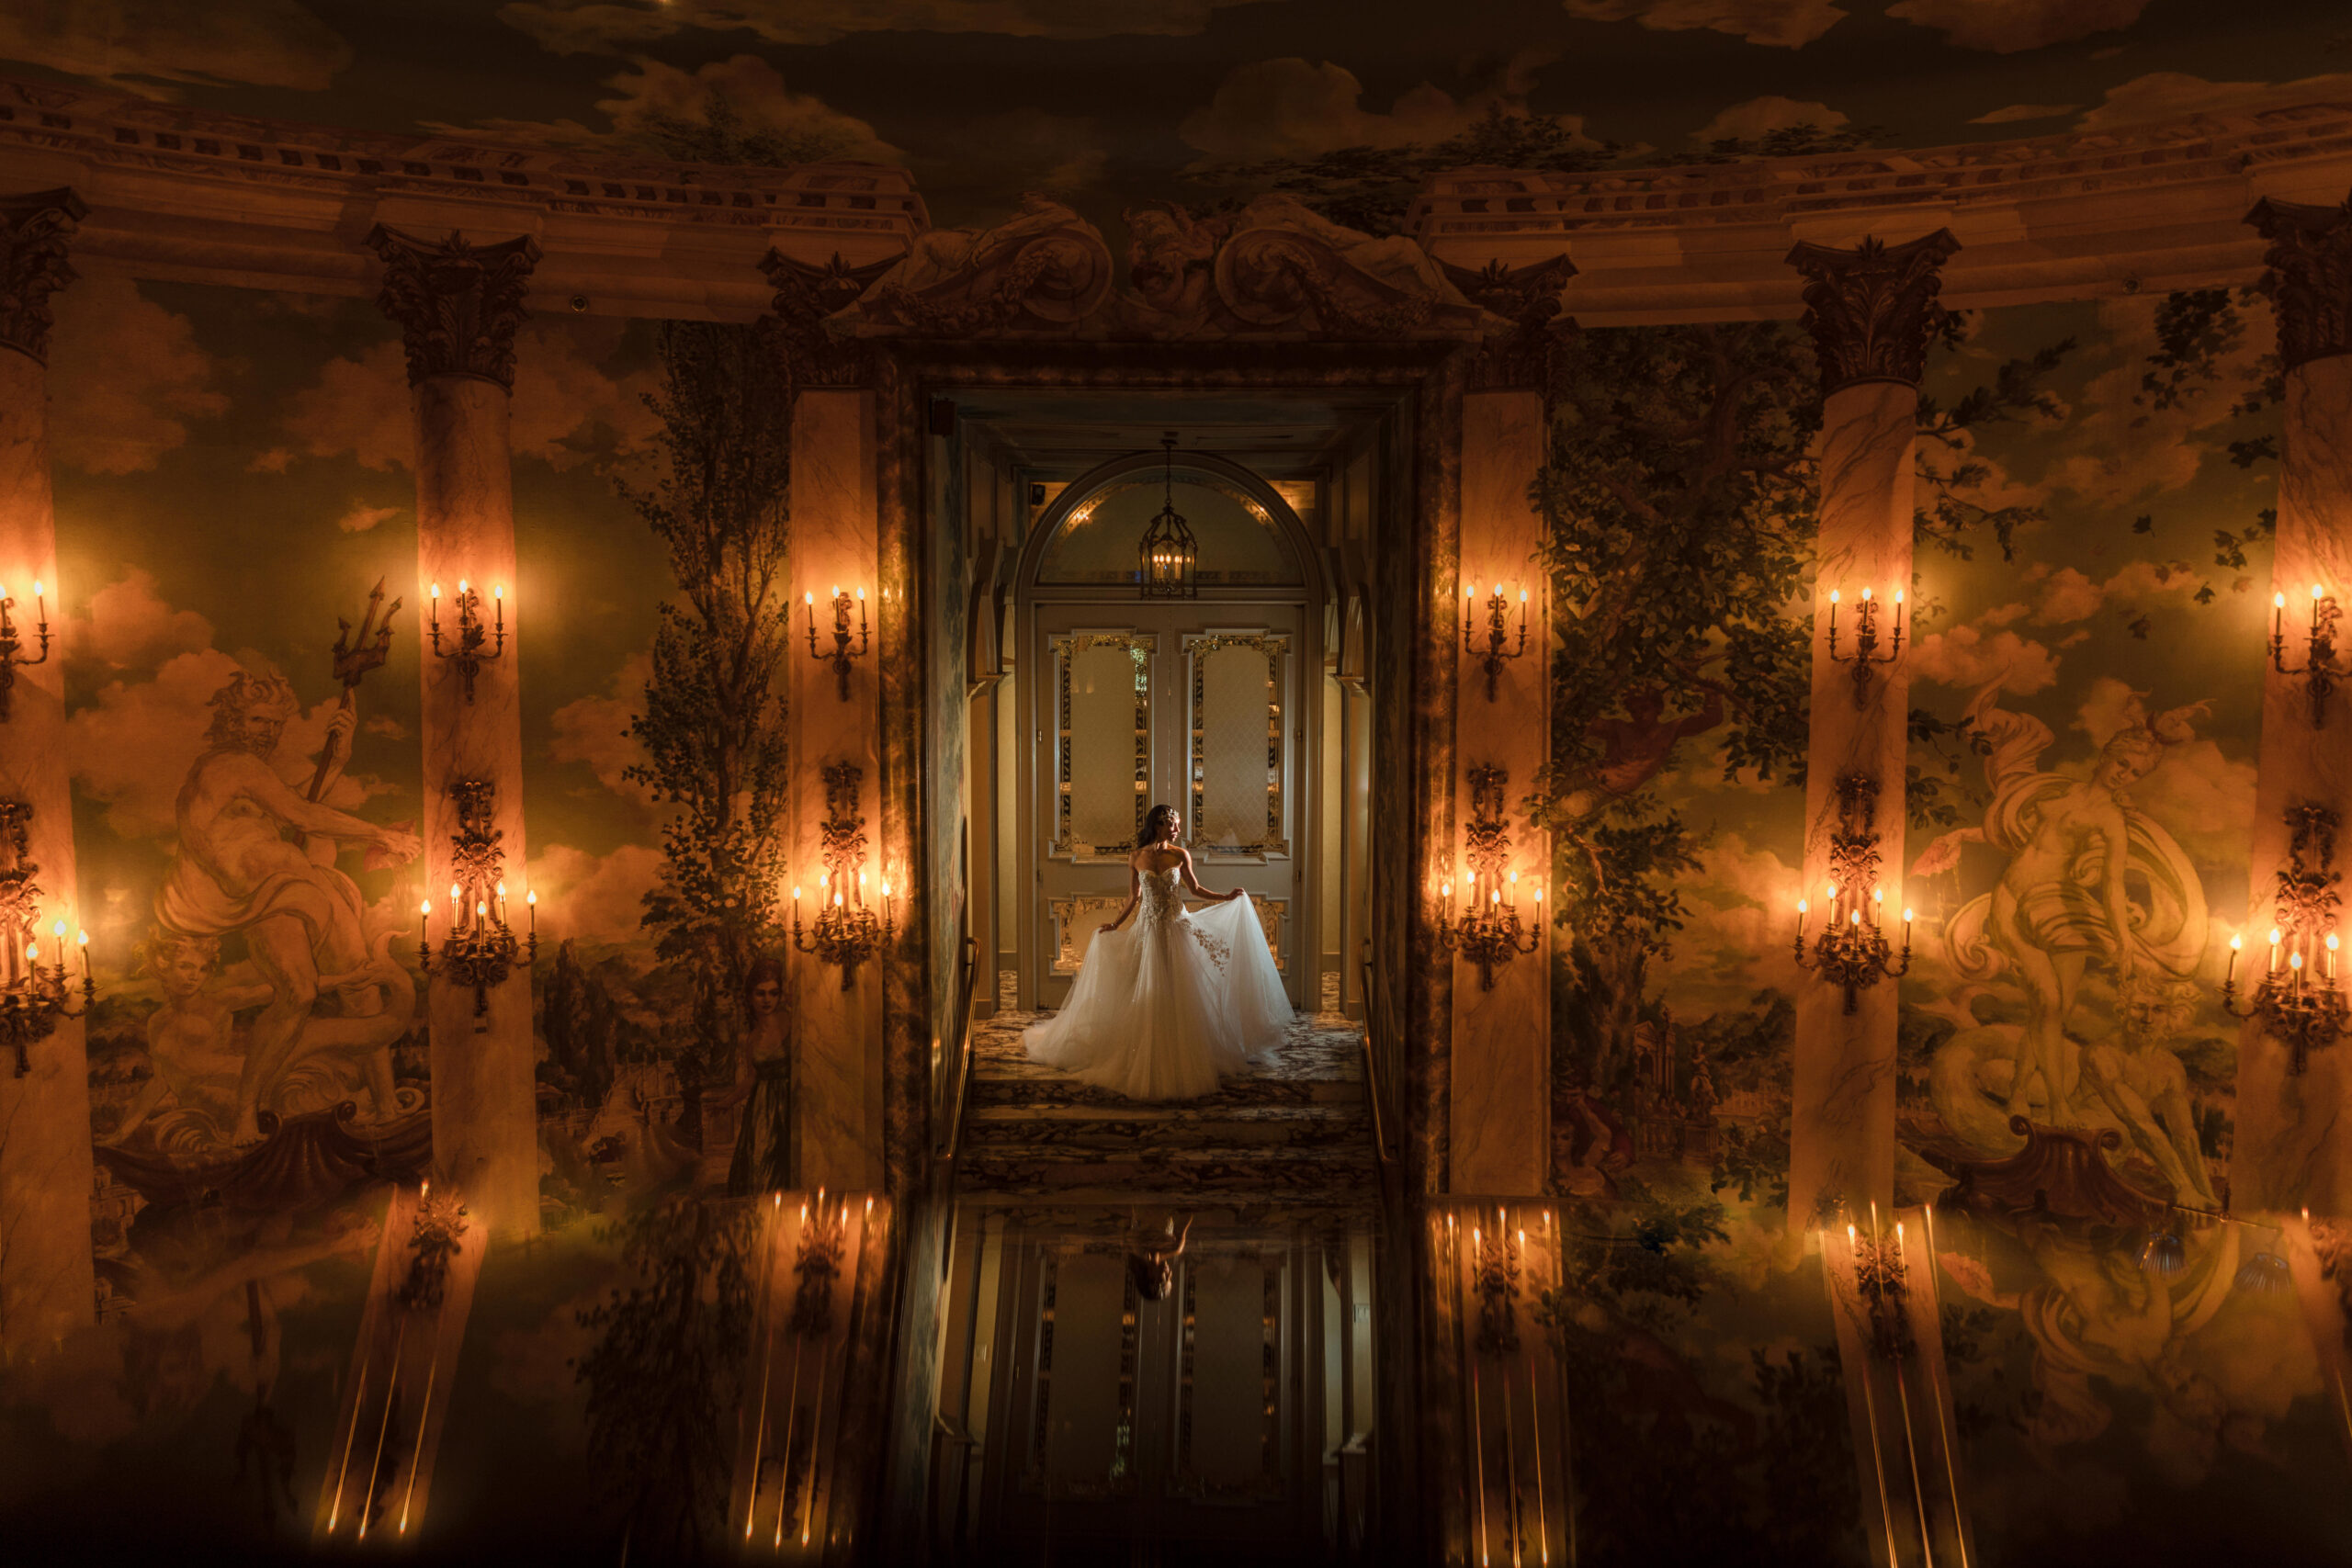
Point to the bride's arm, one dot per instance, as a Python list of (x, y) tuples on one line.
[(1194, 884), (1134, 891)]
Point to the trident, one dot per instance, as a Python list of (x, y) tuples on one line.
[(353, 657)]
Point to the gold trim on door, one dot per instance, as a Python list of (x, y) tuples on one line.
[(1198, 650), (1139, 647)]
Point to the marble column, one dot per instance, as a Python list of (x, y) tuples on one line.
[(1501, 1061), (457, 305), (1869, 310), (2293, 1147), (837, 1032), (46, 1286)]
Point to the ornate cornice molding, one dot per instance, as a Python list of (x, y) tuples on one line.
[(2308, 277), (34, 231), (1872, 310), (805, 296), (1529, 299), (457, 303)]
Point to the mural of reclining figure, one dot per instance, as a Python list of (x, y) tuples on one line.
[(2078, 852), (257, 859)]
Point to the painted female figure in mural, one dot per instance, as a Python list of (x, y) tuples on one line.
[(2089, 878), (257, 859), (763, 1147)]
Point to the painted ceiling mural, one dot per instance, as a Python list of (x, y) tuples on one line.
[(1110, 104)]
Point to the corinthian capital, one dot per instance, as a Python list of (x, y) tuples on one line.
[(457, 304), (1870, 309), (34, 230), (2310, 280)]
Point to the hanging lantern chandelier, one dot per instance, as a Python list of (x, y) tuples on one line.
[(1167, 557)]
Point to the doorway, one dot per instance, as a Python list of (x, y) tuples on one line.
[(1206, 704)]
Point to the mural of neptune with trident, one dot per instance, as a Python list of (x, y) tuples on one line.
[(256, 859)]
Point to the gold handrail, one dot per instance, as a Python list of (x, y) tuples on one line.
[(1375, 1035), (963, 1083)]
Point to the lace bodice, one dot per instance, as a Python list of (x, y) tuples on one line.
[(1162, 896)]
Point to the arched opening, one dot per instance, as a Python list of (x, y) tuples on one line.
[(1209, 704)]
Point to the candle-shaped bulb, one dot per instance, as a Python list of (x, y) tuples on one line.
[(2237, 942), (82, 938), (861, 596), (795, 895), (886, 890), (436, 595), (32, 953), (2277, 600), (1514, 876), (455, 893), (481, 908), (461, 585), (1802, 907), (499, 591), (532, 898), (1878, 894), (1495, 896), (1829, 891), (2315, 592), (1907, 916), (2331, 942), (1898, 596), (809, 599), (2274, 936), (1539, 895), (2294, 961), (1522, 595), (502, 890), (1445, 889), (424, 908), (837, 591), (60, 929), (1866, 595), (1854, 918), (36, 587), (1499, 590)]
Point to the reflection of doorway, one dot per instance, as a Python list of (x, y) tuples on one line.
[(1194, 1424), (1205, 704)]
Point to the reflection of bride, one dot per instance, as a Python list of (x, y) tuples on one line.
[(2089, 878), (1162, 1008)]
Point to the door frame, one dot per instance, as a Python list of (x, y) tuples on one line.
[(1310, 595)]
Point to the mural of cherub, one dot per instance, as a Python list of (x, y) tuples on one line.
[(192, 1052)]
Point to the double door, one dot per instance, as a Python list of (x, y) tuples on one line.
[(1195, 704)]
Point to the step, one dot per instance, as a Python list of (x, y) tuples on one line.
[(1044, 1088), (1273, 1173), (1118, 1128)]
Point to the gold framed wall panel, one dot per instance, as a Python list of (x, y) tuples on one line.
[(1076, 917), (1102, 692), (1233, 682)]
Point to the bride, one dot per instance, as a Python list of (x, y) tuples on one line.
[(1162, 1008)]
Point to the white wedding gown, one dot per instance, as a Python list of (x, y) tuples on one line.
[(1165, 1006)]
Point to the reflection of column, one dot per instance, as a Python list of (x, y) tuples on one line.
[(45, 1277), (1869, 311), (1501, 1077), (2293, 1148), (457, 306)]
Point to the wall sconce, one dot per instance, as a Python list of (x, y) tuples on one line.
[(34, 997), (1865, 652), (2319, 671), (2304, 1010), (1851, 951), (846, 932), (1495, 1266), (1488, 932), (841, 655), (480, 950), (1883, 1279), (471, 633), (1498, 652), (12, 644)]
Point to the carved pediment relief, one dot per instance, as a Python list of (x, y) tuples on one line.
[(1275, 269)]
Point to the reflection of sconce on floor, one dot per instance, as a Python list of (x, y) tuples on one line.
[(12, 644), (1495, 1264), (1498, 650), (2319, 671), (841, 655), (471, 634), (1853, 951), (34, 997), (1487, 933), (1865, 652), (480, 950), (1882, 1277), (2302, 1011), (846, 931)]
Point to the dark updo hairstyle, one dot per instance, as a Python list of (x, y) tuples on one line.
[(1153, 821)]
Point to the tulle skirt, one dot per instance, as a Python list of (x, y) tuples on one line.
[(1161, 1011)]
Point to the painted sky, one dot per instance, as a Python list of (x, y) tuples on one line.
[(1107, 102)]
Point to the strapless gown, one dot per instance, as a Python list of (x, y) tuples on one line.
[(1167, 1004)]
